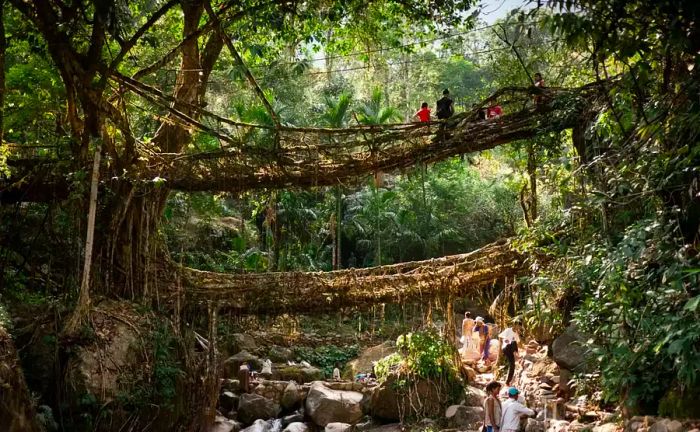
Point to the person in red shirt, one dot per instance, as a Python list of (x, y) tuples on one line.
[(494, 111), (539, 83), (424, 113)]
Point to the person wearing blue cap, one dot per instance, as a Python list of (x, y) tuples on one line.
[(512, 411)]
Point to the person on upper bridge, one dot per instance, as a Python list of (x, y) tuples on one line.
[(539, 83), (445, 106), (494, 111), (424, 113)]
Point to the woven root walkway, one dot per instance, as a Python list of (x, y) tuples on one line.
[(258, 156), (307, 157), (456, 275)]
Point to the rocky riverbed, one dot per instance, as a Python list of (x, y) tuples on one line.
[(295, 398)]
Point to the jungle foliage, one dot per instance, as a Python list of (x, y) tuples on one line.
[(614, 205)]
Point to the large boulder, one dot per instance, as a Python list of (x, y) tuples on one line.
[(298, 373), (277, 353), (389, 402), (228, 401), (234, 362), (296, 427), (252, 407), (272, 390), (338, 427), (325, 405), (464, 418), (666, 425), (474, 397), (292, 396), (364, 362), (258, 426), (238, 342), (534, 425), (222, 424), (569, 350)]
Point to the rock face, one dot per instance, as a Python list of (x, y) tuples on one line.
[(364, 362), (280, 354), (338, 427), (242, 342), (273, 390), (253, 407), (325, 405), (534, 425), (228, 401), (666, 425), (569, 350), (464, 418), (292, 396), (298, 373), (474, 397), (388, 403)]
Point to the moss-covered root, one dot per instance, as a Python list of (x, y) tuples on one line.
[(16, 409)]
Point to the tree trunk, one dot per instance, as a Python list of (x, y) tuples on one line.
[(130, 248), (82, 309), (532, 173), (337, 229)]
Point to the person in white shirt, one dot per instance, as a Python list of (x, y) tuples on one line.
[(509, 346), (512, 410)]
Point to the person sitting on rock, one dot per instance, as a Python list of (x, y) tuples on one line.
[(512, 410), (492, 407)]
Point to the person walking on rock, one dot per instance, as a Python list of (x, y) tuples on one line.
[(509, 339), (512, 410), (481, 329)]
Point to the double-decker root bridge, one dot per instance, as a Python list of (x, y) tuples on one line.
[(280, 156)]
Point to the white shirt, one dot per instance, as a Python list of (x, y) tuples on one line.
[(508, 335), (510, 415)]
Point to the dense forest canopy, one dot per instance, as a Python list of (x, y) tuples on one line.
[(107, 89)]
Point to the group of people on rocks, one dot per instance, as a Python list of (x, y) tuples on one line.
[(476, 338), (476, 342), (445, 105)]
